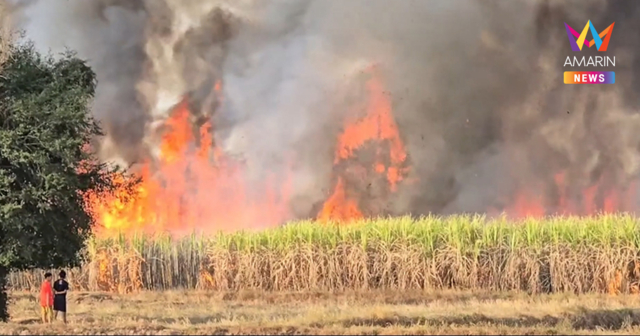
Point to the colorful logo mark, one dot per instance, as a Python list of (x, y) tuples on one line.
[(589, 77), (576, 45)]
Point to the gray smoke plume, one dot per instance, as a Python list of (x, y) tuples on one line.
[(477, 87)]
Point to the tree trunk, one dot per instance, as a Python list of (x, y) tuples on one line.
[(4, 302)]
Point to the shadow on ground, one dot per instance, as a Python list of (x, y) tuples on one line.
[(587, 319), (608, 319)]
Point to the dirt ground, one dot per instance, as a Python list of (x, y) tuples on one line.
[(191, 312)]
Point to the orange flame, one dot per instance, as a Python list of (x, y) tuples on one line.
[(194, 186), (587, 201), (378, 127), (339, 207)]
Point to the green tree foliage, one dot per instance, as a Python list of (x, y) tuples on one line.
[(45, 167)]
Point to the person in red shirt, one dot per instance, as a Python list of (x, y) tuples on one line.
[(46, 298)]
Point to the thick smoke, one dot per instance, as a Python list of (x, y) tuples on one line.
[(476, 86)]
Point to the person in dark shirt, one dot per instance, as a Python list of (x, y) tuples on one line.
[(60, 288)]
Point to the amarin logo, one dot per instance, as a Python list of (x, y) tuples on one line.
[(589, 77), (576, 45)]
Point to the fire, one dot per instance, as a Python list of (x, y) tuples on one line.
[(377, 125), (195, 185), (192, 186), (339, 207), (377, 129), (598, 197)]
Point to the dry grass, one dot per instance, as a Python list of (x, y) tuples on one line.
[(577, 255), (430, 276), (362, 312)]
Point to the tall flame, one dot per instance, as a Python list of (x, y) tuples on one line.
[(377, 128), (193, 186)]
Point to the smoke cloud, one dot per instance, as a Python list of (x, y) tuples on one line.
[(476, 86)]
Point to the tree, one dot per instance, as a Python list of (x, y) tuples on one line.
[(45, 169)]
